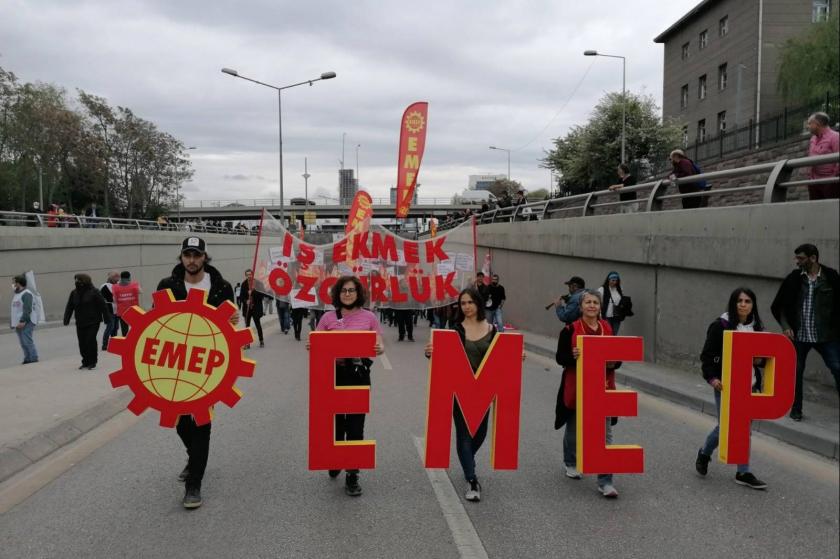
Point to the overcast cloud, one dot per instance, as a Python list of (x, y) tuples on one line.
[(494, 73)]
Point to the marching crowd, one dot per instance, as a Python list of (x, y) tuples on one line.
[(806, 307)]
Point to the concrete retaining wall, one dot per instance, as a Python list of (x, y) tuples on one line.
[(678, 266)]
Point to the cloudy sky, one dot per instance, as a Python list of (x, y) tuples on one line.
[(494, 73)]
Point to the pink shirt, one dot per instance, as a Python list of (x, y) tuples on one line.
[(827, 142), (361, 319)]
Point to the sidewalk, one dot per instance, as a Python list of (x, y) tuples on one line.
[(819, 432)]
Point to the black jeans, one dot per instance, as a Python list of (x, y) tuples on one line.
[(87, 343), (196, 439), (350, 426), (297, 321), (405, 323), (256, 319)]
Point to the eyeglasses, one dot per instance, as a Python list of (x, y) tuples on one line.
[(348, 290)]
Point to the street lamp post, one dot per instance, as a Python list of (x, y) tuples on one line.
[(357, 163), (508, 157), (178, 191), (623, 97), (324, 76), (306, 176)]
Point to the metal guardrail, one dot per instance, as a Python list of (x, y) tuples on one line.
[(774, 189), (28, 219), (314, 203)]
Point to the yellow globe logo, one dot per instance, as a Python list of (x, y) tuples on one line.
[(181, 357)]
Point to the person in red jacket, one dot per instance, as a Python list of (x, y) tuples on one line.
[(590, 323), (126, 295)]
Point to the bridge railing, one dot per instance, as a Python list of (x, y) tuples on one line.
[(653, 196), (314, 203)]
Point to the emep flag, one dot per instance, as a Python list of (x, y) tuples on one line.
[(412, 145)]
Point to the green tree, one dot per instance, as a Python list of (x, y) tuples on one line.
[(809, 65), (501, 186), (588, 155)]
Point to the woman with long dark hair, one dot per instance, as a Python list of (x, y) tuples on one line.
[(477, 336), (348, 298), (611, 295), (741, 315)]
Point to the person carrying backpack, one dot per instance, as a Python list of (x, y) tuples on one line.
[(685, 167)]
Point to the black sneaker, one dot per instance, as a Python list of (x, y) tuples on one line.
[(182, 477), (334, 473), (91, 367), (473, 491), (192, 498), (82, 366), (702, 463), (750, 481), (262, 343), (351, 485), (796, 415)]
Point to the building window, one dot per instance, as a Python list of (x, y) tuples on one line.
[(723, 26), (704, 38), (701, 87), (820, 10), (684, 54), (701, 130), (685, 136), (721, 77), (684, 96), (721, 122)]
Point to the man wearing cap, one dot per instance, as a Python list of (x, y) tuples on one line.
[(567, 307), (126, 295), (194, 272)]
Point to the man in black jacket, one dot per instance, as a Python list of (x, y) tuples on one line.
[(194, 272), (807, 307), (91, 309)]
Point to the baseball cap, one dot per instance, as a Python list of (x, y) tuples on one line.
[(193, 243), (577, 281)]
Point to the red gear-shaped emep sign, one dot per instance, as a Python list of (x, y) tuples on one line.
[(181, 357)]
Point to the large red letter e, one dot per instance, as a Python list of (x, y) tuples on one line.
[(326, 400), (498, 380)]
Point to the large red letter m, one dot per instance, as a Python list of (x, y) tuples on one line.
[(498, 381)]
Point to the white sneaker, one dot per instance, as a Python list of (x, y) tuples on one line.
[(473, 491), (608, 491), (571, 472)]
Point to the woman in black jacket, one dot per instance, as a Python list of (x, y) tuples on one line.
[(742, 315), (252, 304), (91, 309)]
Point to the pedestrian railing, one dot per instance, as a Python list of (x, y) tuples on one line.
[(653, 195), (293, 204), (28, 219)]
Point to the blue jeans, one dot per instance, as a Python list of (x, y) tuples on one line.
[(284, 316), (467, 445), (496, 318), (570, 446), (27, 344), (829, 351), (111, 329), (714, 437)]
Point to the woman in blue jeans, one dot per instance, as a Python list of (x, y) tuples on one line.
[(741, 315), (477, 335)]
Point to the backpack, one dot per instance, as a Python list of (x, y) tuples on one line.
[(702, 185)]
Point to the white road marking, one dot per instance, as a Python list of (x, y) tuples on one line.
[(386, 363), (463, 532)]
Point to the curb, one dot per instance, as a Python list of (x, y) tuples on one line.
[(20, 456), (814, 442)]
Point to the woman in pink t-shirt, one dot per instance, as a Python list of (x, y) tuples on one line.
[(348, 298)]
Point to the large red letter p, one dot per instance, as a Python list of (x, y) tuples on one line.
[(326, 400), (738, 405)]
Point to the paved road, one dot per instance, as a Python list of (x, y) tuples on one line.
[(260, 500)]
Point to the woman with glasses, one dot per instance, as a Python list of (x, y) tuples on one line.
[(348, 298)]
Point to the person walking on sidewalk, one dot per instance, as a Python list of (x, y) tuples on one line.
[(807, 307), (194, 271), (741, 315), (252, 304), (476, 336), (283, 308), (298, 314), (589, 324), (348, 298), (613, 309), (91, 309), (567, 307), (107, 291), (405, 324), (495, 302), (24, 318)]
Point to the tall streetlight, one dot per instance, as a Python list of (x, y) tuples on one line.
[(357, 164), (324, 76), (508, 156), (623, 97), (306, 176), (178, 190)]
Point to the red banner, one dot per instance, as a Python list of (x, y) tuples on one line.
[(412, 144), (360, 212)]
